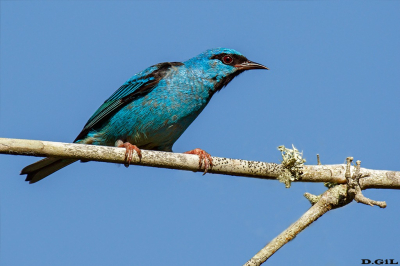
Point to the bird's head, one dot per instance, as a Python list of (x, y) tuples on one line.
[(221, 65)]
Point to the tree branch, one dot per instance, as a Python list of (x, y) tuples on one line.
[(323, 205), (225, 166), (343, 187), (335, 197)]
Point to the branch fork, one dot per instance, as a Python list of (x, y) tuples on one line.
[(354, 188), (338, 195)]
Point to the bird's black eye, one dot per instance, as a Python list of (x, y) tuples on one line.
[(227, 60)]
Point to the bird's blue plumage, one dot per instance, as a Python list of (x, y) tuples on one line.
[(153, 108)]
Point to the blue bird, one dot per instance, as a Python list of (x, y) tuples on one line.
[(154, 107)]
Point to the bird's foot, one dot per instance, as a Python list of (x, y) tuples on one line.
[(204, 157), (129, 151)]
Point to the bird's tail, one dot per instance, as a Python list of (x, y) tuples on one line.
[(43, 168)]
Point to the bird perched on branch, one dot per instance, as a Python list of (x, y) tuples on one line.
[(154, 107)]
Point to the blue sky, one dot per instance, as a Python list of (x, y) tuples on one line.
[(332, 89)]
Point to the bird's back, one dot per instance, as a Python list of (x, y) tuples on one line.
[(158, 117)]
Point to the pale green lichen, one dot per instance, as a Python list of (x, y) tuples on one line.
[(292, 162)]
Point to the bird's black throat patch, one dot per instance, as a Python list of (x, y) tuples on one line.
[(224, 81)]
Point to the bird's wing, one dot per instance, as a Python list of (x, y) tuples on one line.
[(137, 86)]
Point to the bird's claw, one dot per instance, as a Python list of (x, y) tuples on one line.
[(204, 158), (129, 152)]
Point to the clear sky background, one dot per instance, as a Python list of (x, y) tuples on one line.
[(333, 89)]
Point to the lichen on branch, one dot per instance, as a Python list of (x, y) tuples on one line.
[(292, 163)]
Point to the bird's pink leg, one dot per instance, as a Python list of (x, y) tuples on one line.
[(129, 151), (204, 158)]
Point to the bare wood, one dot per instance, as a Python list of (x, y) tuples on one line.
[(336, 174), (149, 158), (326, 202), (226, 166)]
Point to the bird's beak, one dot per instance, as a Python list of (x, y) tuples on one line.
[(250, 65)]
